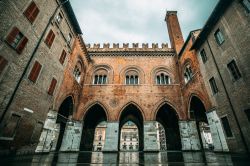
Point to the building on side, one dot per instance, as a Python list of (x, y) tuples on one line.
[(36, 42), (222, 49)]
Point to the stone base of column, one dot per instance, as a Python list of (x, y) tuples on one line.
[(218, 137), (150, 137), (189, 136), (72, 136), (49, 133), (112, 137)]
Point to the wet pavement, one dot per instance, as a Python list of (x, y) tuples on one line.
[(129, 158)]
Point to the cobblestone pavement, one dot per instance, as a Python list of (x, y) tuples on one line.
[(129, 158)]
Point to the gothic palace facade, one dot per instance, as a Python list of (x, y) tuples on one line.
[(55, 89)]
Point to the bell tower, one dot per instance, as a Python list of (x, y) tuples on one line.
[(174, 30)]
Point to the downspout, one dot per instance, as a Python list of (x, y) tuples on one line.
[(30, 60), (228, 98)]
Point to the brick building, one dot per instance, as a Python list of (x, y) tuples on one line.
[(36, 41), (143, 84)]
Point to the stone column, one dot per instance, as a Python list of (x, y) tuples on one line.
[(49, 133), (72, 136), (150, 136), (189, 135), (112, 137), (219, 140)]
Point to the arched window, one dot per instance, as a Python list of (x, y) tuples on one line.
[(162, 78), (100, 77), (188, 74), (132, 78), (77, 71)]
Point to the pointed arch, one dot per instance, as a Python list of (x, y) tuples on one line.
[(132, 112), (131, 103), (159, 104), (90, 105), (167, 116)]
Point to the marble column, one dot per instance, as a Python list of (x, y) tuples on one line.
[(189, 135), (150, 136), (112, 137), (218, 137), (72, 136)]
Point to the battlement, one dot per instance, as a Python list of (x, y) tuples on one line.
[(128, 47)]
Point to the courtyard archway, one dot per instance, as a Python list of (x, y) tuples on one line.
[(94, 116), (168, 118), (64, 113), (131, 113), (197, 112)]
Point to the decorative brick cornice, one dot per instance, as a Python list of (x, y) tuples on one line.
[(133, 53)]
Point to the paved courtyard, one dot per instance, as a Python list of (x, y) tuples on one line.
[(129, 158)]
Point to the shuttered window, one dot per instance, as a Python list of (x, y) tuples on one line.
[(234, 70), (226, 126), (63, 56), (31, 12), (213, 85), (50, 38), (3, 63), (35, 71), (16, 40), (52, 86)]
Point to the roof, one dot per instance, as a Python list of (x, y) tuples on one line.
[(69, 10), (218, 11), (186, 42)]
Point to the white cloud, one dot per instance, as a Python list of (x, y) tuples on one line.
[(137, 20)]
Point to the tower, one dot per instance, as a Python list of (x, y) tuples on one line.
[(174, 30)]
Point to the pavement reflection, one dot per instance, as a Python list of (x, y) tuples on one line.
[(129, 158)]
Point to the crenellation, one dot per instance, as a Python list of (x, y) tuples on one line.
[(125, 45), (96, 45), (164, 45), (144, 45), (115, 45), (106, 45), (129, 47), (88, 45), (155, 45), (135, 45)]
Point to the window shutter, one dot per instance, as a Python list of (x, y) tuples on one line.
[(12, 35), (35, 71), (63, 56), (3, 63), (21, 46), (34, 15), (50, 38), (31, 12), (52, 86)]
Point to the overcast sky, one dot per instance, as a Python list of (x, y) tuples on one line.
[(142, 21)]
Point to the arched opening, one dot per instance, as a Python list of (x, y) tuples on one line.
[(198, 113), (161, 137), (129, 140), (94, 116), (64, 113), (131, 114), (168, 118), (99, 137)]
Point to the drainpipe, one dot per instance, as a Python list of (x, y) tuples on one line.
[(30, 60), (228, 98)]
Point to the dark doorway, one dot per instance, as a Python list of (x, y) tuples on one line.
[(198, 113), (65, 110), (167, 116), (94, 116), (133, 114)]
